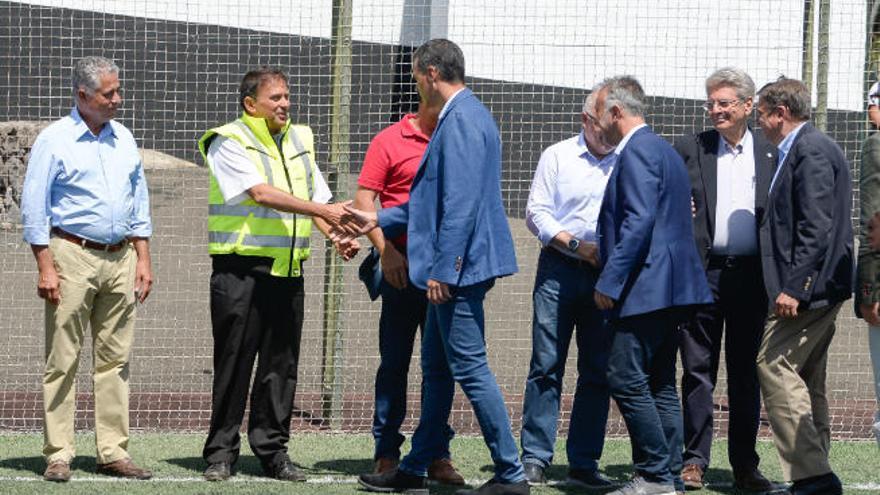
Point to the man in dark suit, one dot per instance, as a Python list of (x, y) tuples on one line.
[(806, 241), (730, 169), (651, 278), (458, 243)]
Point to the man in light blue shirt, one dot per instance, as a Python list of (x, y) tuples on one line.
[(85, 210), (562, 212)]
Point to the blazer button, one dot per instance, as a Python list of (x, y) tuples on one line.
[(458, 263)]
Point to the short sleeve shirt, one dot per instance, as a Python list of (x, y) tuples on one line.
[(391, 163)]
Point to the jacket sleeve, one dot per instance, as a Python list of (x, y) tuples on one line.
[(812, 178), (393, 221), (639, 191), (868, 274), (463, 154)]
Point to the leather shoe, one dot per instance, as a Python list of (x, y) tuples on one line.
[(534, 473), (753, 481), (218, 471), (826, 484), (692, 476), (385, 464), (588, 479), (284, 469), (495, 487), (442, 471), (124, 468), (58, 471), (394, 481)]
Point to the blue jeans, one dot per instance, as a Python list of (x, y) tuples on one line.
[(562, 299), (403, 311), (641, 375), (454, 350)]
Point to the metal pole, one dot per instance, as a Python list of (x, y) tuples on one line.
[(821, 119), (807, 66), (340, 116)]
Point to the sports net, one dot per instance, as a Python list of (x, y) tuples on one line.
[(530, 62)]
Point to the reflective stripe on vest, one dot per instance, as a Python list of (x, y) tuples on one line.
[(269, 241), (301, 151), (245, 210)]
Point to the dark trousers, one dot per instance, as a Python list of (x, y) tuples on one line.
[(253, 315), (403, 312), (562, 300), (737, 320), (641, 375)]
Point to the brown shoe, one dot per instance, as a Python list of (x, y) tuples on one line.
[(442, 471), (692, 476), (124, 468), (753, 481), (385, 464), (57, 471)]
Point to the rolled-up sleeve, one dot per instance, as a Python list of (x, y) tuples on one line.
[(141, 224), (36, 193), (541, 206)]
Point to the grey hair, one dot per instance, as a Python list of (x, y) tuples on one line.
[(624, 92), (87, 73), (732, 77), (589, 102), (789, 93)]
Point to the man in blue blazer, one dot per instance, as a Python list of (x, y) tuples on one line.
[(458, 243), (806, 241), (651, 278)]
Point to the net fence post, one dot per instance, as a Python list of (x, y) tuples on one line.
[(340, 117)]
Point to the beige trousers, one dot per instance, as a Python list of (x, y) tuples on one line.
[(791, 368), (97, 290)]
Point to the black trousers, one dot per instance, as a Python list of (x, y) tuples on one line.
[(254, 316), (741, 307)]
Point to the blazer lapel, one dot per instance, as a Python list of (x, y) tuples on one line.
[(709, 173), (765, 168), (465, 93)]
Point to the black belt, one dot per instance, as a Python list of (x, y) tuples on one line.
[(720, 261), (575, 262), (67, 236)]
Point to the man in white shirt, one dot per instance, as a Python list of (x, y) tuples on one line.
[(265, 191), (730, 170), (562, 212)]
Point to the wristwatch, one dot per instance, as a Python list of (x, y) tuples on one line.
[(573, 244)]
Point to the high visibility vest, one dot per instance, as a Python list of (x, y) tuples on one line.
[(248, 228)]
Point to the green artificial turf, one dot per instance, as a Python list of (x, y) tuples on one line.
[(332, 462)]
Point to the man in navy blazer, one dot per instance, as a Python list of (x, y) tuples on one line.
[(806, 241), (651, 277), (458, 243), (730, 169)]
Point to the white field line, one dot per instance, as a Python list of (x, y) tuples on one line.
[(323, 480)]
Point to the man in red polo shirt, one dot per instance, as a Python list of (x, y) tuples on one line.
[(392, 159)]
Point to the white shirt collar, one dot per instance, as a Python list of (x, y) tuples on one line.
[(622, 143), (744, 143), (446, 105)]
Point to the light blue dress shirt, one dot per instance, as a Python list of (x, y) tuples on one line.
[(90, 186), (567, 191), (784, 147)]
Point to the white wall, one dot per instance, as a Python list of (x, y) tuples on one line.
[(670, 45)]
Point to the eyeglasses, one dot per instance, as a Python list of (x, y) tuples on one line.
[(723, 105)]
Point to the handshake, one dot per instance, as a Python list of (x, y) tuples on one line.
[(345, 225)]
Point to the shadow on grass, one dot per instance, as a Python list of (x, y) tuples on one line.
[(36, 464), (351, 467), (248, 465)]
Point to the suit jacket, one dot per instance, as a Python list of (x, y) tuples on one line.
[(868, 278), (806, 233), (699, 152), (646, 237), (457, 230)]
